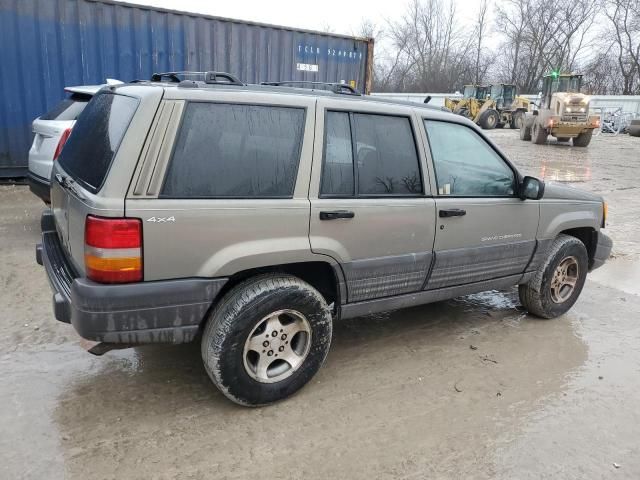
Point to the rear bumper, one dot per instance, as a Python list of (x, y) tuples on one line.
[(39, 186), (603, 251), (168, 311)]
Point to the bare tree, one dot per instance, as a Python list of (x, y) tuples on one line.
[(479, 34), (624, 16), (542, 35), (602, 74), (431, 52)]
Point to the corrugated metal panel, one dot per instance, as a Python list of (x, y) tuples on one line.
[(46, 45)]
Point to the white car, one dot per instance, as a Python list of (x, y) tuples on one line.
[(52, 131)]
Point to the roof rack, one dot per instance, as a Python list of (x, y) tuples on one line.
[(341, 88), (210, 77)]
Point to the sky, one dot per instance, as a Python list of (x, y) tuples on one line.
[(340, 16)]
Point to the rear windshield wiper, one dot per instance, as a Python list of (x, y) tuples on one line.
[(70, 185)]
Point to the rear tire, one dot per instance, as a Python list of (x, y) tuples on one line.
[(516, 121), (545, 295), (296, 323), (538, 134), (525, 132), (489, 119), (583, 139)]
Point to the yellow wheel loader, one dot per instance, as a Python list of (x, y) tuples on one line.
[(502, 107), (563, 112), (490, 107), (472, 98)]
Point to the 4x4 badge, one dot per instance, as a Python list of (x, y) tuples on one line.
[(161, 219)]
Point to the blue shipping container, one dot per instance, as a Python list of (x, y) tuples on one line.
[(46, 45)]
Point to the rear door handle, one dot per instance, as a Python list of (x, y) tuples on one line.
[(453, 212), (335, 214)]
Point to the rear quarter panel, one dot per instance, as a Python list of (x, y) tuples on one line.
[(218, 237), (109, 200)]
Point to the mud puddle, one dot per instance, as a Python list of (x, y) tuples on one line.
[(410, 391)]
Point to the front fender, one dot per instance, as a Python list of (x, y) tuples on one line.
[(559, 215)]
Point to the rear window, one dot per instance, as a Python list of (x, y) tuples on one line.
[(68, 109), (95, 139), (235, 151)]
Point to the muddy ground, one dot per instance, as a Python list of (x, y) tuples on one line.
[(469, 388)]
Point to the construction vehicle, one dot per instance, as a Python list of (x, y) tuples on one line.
[(562, 112), (503, 107), (492, 106), (472, 98)]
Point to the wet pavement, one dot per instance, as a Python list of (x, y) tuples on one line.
[(469, 388)]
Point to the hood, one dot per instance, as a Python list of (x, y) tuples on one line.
[(556, 191)]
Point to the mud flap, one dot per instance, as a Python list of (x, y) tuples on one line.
[(100, 348)]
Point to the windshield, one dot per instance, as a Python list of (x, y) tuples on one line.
[(509, 92), (469, 91), (496, 91), (567, 84)]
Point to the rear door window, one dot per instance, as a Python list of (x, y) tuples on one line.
[(384, 149), (95, 139), (386, 155), (68, 109), (235, 151)]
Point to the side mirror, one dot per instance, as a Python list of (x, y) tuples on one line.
[(531, 188)]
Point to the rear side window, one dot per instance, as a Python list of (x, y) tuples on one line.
[(385, 153), (235, 151), (95, 139), (68, 109)]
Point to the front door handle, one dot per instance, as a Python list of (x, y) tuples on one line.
[(453, 212), (335, 214)]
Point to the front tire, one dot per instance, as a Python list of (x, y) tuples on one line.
[(266, 339), (583, 139), (462, 111), (489, 119), (557, 284), (538, 134)]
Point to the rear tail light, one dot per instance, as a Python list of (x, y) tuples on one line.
[(113, 249), (63, 140)]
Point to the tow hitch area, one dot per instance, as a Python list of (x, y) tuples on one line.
[(100, 348)]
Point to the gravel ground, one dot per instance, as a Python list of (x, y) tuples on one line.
[(468, 388)]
